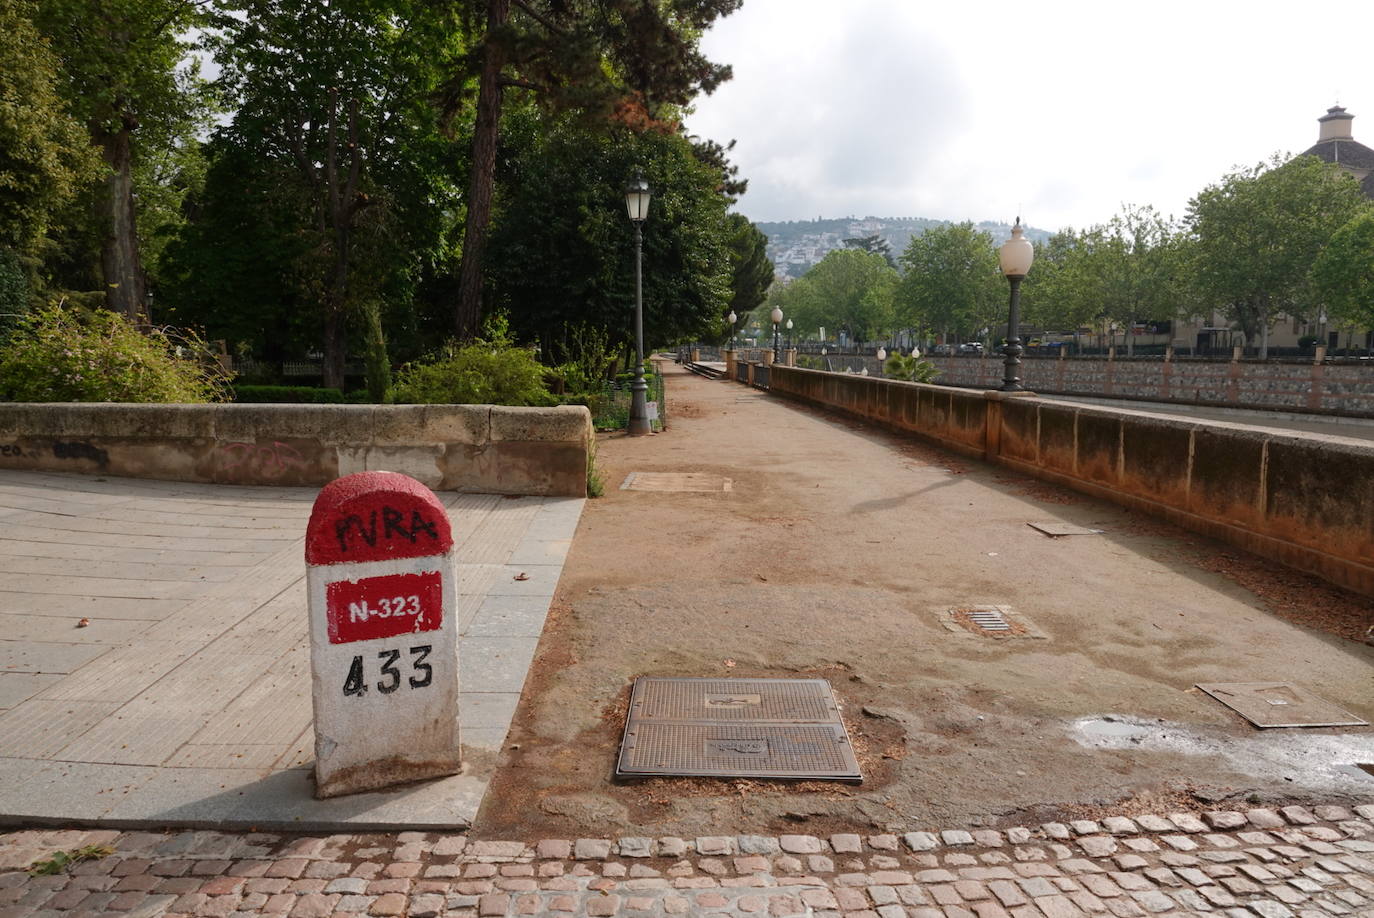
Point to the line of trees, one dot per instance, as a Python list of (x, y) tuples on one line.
[(1290, 237), (366, 177)]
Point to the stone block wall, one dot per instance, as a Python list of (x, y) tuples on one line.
[(484, 448), (1337, 388), (1305, 500)]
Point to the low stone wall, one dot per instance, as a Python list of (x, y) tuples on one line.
[(1306, 500), (1336, 388), (484, 448)]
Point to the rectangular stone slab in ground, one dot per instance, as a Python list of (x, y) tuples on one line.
[(736, 728), (1056, 528), (1280, 704)]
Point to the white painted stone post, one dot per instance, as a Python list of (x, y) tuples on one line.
[(383, 634)]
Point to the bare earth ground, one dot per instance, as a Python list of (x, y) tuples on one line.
[(834, 555)]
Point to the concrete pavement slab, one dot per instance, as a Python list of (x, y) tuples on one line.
[(186, 700), (17, 687)]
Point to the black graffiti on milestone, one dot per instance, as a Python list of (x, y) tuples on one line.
[(394, 525)]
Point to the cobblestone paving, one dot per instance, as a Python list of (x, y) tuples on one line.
[(1311, 862)]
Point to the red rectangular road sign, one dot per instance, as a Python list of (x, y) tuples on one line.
[(383, 607)]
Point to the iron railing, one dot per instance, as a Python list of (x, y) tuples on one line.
[(611, 408)]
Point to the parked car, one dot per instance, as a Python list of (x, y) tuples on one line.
[(971, 347)]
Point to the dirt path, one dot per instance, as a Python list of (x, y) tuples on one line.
[(835, 553)]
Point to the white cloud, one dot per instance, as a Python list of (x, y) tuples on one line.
[(1065, 109)]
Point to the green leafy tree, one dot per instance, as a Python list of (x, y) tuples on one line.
[(562, 253), (849, 290), (232, 268), (333, 99), (1255, 236), (121, 77), (613, 61), (951, 282), (873, 244), (45, 155), (1343, 274), (751, 271)]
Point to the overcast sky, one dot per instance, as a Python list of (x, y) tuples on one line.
[(967, 110)]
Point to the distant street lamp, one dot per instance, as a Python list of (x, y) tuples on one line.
[(882, 354), (789, 334), (776, 316), (637, 205), (732, 319), (1016, 256)]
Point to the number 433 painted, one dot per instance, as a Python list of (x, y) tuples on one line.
[(423, 673)]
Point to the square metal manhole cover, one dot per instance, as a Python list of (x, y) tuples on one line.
[(1056, 528), (1280, 704), (989, 621), (736, 728), (675, 481)]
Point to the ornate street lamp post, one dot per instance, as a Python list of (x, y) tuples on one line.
[(776, 316), (732, 319), (637, 204), (1016, 256)]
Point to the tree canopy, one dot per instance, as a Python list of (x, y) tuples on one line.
[(952, 284), (1343, 274), (1255, 235)]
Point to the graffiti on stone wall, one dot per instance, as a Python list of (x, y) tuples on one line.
[(79, 449), (259, 460)]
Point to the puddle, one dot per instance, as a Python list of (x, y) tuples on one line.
[(1324, 762)]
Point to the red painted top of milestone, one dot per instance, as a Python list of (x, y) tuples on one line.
[(374, 516)]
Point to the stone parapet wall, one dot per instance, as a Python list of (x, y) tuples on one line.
[(1306, 500), (483, 448), (1337, 388)]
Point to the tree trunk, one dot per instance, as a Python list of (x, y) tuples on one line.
[(125, 285), (335, 345), (468, 315)]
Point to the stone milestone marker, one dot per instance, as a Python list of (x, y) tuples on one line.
[(383, 634)]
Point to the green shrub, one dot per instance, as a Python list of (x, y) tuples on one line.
[(486, 372), (62, 355), (290, 395), (912, 369)]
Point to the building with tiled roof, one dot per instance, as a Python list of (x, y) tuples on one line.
[(1337, 144)]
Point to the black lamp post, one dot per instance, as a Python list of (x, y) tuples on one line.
[(776, 316), (1016, 256), (637, 204), (732, 319)]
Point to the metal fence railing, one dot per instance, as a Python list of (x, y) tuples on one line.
[(612, 405), (741, 371), (761, 374)]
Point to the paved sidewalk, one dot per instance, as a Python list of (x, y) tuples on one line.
[(1269, 863), (155, 666)]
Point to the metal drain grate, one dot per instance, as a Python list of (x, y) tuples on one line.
[(989, 619), (736, 728), (994, 621), (1280, 704)]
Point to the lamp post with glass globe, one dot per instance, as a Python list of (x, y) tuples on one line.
[(732, 319), (776, 316), (1015, 256), (637, 205)]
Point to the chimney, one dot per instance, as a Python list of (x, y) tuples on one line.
[(1335, 125)]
